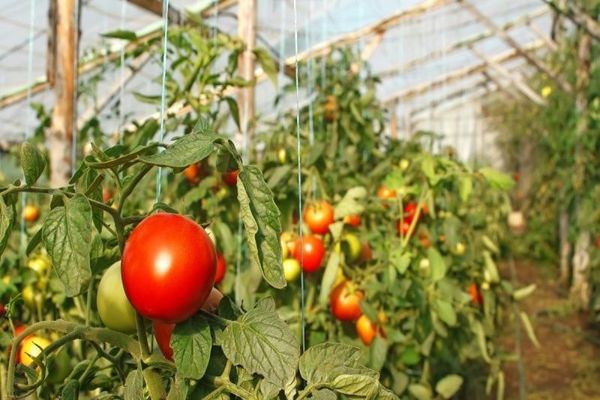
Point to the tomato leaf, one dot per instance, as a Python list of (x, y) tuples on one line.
[(449, 385), (120, 34), (191, 343), (350, 204), (134, 386), (329, 276), (7, 220), (378, 352), (446, 312), (233, 110), (496, 179), (420, 391), (178, 390), (267, 63), (438, 265), (262, 344), (466, 187), (323, 362), (263, 227), (32, 162), (67, 235), (71, 390), (186, 150)]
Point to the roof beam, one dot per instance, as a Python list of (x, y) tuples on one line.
[(525, 19), (504, 88), (156, 7), (41, 84), (535, 28), (515, 79), (542, 67), (459, 74)]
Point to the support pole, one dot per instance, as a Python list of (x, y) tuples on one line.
[(247, 63), (59, 137)]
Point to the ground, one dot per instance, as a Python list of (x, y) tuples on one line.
[(567, 365)]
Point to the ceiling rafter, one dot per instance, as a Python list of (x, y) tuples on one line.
[(459, 74)]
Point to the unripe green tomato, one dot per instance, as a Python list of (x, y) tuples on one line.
[(352, 247), (404, 164), (291, 269), (424, 266), (114, 308), (459, 249), (282, 156)]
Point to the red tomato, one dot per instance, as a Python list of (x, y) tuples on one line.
[(168, 267), (162, 333), (403, 227), (221, 268), (31, 213), (386, 193), (352, 220), (598, 241), (345, 302), (366, 330), (309, 251), (107, 194), (192, 173), (424, 239), (318, 217), (475, 294), (2, 310), (366, 254), (230, 178), (410, 210)]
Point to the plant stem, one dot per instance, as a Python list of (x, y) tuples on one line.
[(131, 185), (142, 337)]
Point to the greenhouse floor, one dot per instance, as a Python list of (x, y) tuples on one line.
[(566, 365)]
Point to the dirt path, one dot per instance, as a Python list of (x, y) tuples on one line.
[(567, 366)]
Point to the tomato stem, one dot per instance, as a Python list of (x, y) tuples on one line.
[(131, 185), (142, 337)]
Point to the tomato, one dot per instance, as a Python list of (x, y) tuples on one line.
[(403, 226), (114, 308), (31, 298), (2, 310), (221, 268), (330, 108), (404, 164), (475, 294), (410, 210), (366, 254), (282, 156), (291, 269), (193, 173), (231, 177), (459, 249), (345, 301), (309, 251), (31, 213), (31, 347), (424, 240), (352, 220), (40, 264), (287, 242), (107, 194), (318, 217), (168, 267), (351, 246), (163, 332), (366, 330), (386, 193), (598, 241)]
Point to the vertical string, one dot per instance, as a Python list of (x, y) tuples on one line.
[(310, 77), (298, 153), (281, 53), (122, 74), (74, 129), (161, 134), (28, 121)]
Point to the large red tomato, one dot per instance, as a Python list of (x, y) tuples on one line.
[(318, 216), (221, 268), (345, 301), (309, 251), (168, 267)]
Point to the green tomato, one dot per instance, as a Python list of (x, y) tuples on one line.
[(291, 269), (404, 164), (351, 247), (282, 156), (114, 308), (460, 249)]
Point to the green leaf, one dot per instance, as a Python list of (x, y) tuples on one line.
[(179, 390), (400, 260), (120, 34), (35, 240), (523, 292), (378, 352), (351, 204), (263, 227), (191, 343), (234, 110), (321, 363), (67, 235), (188, 149), (329, 276), (449, 385), (438, 265), (262, 344), (279, 175), (71, 390), (323, 394), (267, 63), (134, 386), (496, 179), (32, 162), (446, 312), (529, 329), (428, 168), (466, 187), (267, 390), (7, 220), (420, 391)]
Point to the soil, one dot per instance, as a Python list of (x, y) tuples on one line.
[(567, 364)]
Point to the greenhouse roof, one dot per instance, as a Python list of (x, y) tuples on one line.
[(429, 53)]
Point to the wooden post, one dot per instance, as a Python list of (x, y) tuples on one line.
[(51, 44), (59, 139), (247, 63), (581, 290)]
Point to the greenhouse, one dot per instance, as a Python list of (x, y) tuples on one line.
[(299, 199)]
